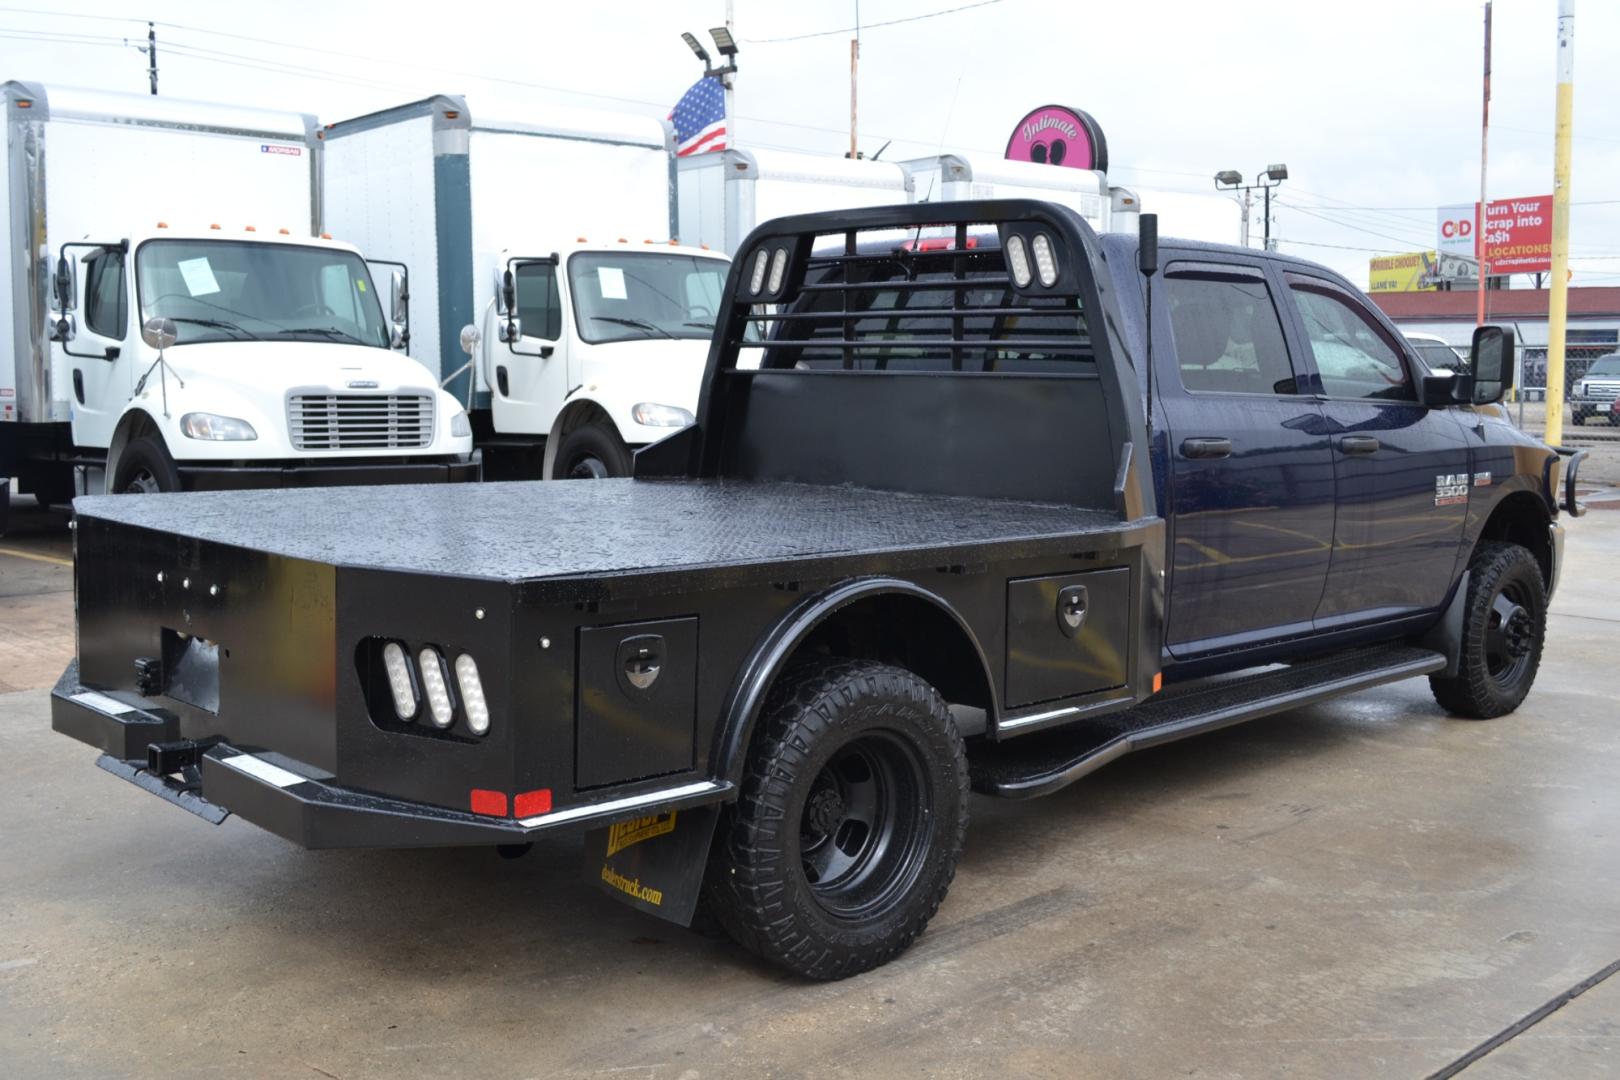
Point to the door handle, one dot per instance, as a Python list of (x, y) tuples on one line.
[(1358, 445), (1206, 448)]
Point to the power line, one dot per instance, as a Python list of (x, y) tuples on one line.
[(1340, 247), (1357, 227), (869, 26)]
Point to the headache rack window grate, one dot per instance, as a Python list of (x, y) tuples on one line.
[(914, 302)]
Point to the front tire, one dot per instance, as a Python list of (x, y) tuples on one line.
[(591, 452), (146, 468), (852, 816), (1504, 627)]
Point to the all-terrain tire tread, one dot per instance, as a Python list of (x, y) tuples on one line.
[(1472, 693), (746, 884)]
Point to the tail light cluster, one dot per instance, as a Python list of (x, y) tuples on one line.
[(424, 686)]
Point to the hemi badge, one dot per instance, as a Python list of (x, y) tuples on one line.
[(371, 384), (1482, 479)]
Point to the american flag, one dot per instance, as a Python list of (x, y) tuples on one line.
[(700, 118)]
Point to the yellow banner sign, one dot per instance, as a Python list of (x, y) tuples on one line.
[(1411, 272)]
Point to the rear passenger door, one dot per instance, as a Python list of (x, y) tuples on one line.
[(1402, 470), (1251, 471)]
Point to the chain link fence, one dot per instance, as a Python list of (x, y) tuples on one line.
[(1533, 367)]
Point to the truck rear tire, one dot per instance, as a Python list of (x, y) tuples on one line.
[(591, 452), (146, 467), (852, 815), (1504, 626)]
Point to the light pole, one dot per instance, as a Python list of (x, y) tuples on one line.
[(1270, 177), (726, 46)]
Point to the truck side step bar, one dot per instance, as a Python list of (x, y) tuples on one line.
[(1039, 764)]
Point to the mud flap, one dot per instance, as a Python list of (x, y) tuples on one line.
[(654, 863)]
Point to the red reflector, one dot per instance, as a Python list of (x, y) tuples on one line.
[(492, 803), (531, 803)]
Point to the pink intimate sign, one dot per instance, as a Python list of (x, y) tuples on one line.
[(1058, 135)]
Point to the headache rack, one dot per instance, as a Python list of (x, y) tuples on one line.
[(917, 300)]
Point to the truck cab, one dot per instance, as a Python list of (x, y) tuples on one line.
[(201, 359), (599, 346)]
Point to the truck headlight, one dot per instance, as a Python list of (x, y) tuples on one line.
[(460, 425), (212, 428), (652, 414)]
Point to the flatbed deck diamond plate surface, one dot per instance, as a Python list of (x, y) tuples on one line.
[(525, 531)]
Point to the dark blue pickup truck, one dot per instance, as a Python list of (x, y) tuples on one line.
[(975, 499)]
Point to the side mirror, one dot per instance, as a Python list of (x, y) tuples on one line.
[(1441, 391), (1490, 359), (64, 328), (469, 339), (399, 301), (159, 332), (65, 284), (511, 329)]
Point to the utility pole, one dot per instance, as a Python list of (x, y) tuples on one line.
[(1484, 143), (1267, 243), (1248, 205), (1558, 301), (151, 54), (854, 62)]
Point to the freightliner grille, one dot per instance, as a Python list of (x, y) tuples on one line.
[(360, 421)]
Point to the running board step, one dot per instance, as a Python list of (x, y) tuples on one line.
[(1041, 763)]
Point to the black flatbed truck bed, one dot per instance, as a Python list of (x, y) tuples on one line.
[(939, 487), (540, 535)]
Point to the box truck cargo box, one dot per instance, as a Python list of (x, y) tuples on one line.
[(542, 245)]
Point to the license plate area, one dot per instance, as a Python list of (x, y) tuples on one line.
[(191, 670)]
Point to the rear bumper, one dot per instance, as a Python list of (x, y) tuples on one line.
[(283, 474), (299, 803)]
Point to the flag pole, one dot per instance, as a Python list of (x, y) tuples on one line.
[(730, 83), (1558, 301)]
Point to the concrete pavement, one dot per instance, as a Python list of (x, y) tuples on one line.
[(1366, 888)]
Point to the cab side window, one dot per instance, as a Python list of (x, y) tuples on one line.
[(1229, 338), (106, 310), (1353, 355), (539, 309)]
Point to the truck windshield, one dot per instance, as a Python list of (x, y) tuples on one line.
[(636, 295), (231, 290), (1604, 367)]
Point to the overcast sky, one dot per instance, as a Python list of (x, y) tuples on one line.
[(1374, 106)]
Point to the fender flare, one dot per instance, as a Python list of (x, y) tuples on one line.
[(134, 416), (747, 697), (561, 426)]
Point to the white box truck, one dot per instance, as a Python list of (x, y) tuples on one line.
[(723, 195), (540, 240), (173, 322), (956, 176), (1108, 207)]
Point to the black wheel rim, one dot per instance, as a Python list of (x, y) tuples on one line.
[(1510, 635), (141, 482), (588, 467), (864, 829)]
